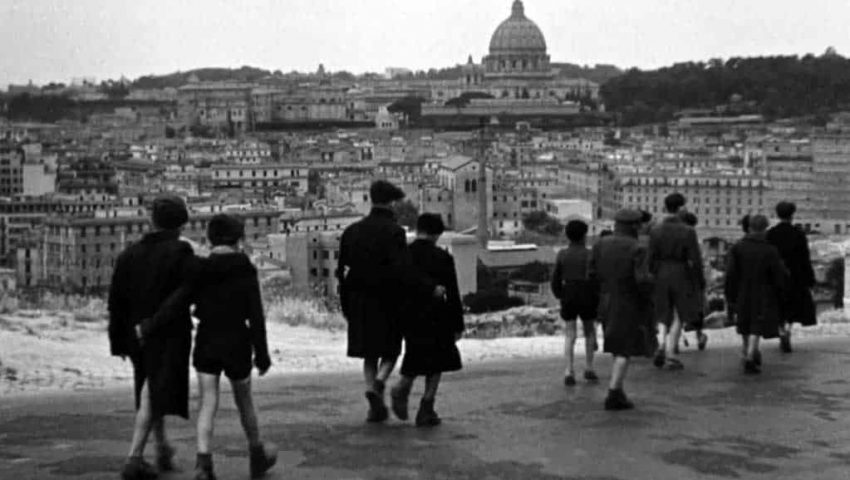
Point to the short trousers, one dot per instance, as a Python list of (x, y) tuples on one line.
[(235, 367), (588, 312)]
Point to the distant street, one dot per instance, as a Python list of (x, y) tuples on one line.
[(505, 420)]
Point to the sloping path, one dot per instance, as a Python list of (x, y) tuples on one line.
[(503, 420)]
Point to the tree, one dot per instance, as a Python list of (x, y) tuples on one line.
[(541, 222), (465, 97), (406, 213), (410, 107)]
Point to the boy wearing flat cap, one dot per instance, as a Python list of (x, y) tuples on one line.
[(375, 277), (619, 264), (145, 275)]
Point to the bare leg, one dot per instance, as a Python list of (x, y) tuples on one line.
[(386, 368), (142, 427), (209, 393), (247, 413), (432, 382), (673, 337), (590, 347), (663, 332), (618, 373), (370, 372), (569, 347), (753, 346)]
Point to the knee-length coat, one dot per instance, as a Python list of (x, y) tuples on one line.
[(146, 274), (798, 305), (755, 286), (620, 266), (376, 278), (431, 326)]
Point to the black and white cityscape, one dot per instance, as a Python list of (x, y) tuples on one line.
[(513, 239)]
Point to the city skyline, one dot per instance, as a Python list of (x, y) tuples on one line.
[(45, 40)]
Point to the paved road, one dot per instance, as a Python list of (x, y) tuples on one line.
[(509, 420)]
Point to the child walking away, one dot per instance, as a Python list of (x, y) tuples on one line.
[(430, 334), (579, 299), (619, 263), (232, 328)]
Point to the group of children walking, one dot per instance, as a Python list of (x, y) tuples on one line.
[(642, 278), (155, 283), (635, 279)]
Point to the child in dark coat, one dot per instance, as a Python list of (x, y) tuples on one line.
[(232, 330), (436, 324), (579, 299)]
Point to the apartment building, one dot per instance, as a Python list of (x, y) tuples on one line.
[(261, 178)]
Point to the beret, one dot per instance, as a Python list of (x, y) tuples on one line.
[(627, 215), (383, 192)]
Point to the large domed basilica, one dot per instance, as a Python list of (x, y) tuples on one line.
[(516, 68), (517, 48)]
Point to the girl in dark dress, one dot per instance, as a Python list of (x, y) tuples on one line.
[(755, 285), (435, 325)]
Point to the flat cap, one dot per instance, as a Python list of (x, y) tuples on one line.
[(627, 215), (169, 212), (383, 192)]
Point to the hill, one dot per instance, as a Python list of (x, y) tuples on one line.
[(777, 86)]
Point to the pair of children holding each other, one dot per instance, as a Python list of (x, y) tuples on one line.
[(154, 285), (391, 292), (610, 283)]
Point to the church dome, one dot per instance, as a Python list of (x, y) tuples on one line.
[(517, 34)]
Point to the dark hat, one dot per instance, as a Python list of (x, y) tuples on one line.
[(674, 201), (225, 230), (576, 230), (430, 224), (628, 216), (785, 210), (169, 212), (383, 192), (689, 218)]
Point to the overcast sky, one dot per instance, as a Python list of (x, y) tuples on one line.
[(55, 40)]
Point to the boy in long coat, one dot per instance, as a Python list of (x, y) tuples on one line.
[(619, 264), (674, 260), (375, 277), (798, 306), (433, 325), (755, 283), (145, 275)]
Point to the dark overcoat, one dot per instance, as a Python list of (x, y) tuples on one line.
[(619, 265), (375, 280), (755, 282), (432, 324), (798, 304), (675, 262), (145, 275)]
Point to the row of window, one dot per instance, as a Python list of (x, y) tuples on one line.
[(292, 173)]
